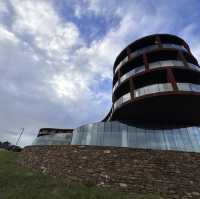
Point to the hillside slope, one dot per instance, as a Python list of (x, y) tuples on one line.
[(21, 183)]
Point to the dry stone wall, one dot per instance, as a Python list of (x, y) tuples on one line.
[(170, 173)]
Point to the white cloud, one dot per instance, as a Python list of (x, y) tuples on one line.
[(6, 35)]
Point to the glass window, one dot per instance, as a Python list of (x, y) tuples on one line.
[(195, 87), (184, 133), (141, 138), (152, 139), (178, 139), (178, 63), (125, 59), (107, 126), (124, 138), (139, 69), (100, 127), (126, 97), (115, 126), (183, 87), (131, 136)]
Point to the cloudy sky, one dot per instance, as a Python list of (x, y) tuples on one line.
[(56, 56)]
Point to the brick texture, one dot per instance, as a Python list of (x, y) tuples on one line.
[(170, 173)]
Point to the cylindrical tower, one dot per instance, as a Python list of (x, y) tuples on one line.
[(156, 79)]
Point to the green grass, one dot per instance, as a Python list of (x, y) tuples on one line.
[(20, 183)]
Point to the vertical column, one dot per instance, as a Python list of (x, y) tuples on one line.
[(171, 78), (145, 61), (131, 85)]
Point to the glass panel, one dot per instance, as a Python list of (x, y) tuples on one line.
[(107, 126), (187, 139), (125, 59), (194, 67), (169, 63), (183, 87), (178, 63), (194, 133), (124, 138), (115, 86), (118, 134), (195, 87), (139, 69), (115, 126), (155, 65), (178, 140), (141, 138), (126, 97), (131, 134), (119, 65), (54, 139), (168, 87)]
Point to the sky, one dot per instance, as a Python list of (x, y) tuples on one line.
[(56, 56)]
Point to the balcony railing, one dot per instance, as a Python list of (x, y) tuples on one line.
[(154, 65), (146, 50), (188, 87), (122, 100), (156, 88)]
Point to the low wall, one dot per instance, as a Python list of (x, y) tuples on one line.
[(175, 174)]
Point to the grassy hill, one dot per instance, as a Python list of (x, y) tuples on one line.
[(21, 183)]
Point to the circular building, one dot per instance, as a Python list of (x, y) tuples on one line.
[(156, 90)]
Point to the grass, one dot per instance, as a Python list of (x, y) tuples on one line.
[(20, 183)]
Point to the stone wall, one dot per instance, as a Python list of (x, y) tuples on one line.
[(175, 174)]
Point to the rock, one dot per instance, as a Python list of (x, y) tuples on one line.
[(43, 169), (100, 184), (105, 176), (195, 193), (123, 185), (107, 151)]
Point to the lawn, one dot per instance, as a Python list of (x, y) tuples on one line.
[(20, 183)]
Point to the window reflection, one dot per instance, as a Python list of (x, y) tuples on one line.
[(54, 139), (123, 135)]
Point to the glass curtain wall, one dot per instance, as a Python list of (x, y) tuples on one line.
[(123, 135), (54, 139)]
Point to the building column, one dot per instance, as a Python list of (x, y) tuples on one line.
[(145, 61), (171, 79), (131, 85)]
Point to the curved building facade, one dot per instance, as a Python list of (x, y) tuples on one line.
[(156, 79), (155, 99), (114, 133), (156, 94)]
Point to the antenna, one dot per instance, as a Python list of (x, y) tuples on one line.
[(20, 136)]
